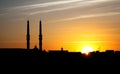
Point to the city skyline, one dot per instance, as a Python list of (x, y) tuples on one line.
[(71, 24)]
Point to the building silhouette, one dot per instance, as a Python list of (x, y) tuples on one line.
[(40, 35), (39, 57), (28, 35)]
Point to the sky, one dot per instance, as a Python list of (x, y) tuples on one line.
[(68, 24)]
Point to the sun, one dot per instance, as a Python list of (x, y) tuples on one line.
[(87, 49)]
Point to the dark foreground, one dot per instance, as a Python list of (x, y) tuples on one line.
[(21, 57)]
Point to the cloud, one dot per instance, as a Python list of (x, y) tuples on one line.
[(47, 7), (34, 7), (47, 4), (91, 16), (52, 10), (75, 5), (69, 4)]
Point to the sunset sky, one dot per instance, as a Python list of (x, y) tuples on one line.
[(71, 24)]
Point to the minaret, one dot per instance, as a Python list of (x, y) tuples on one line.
[(28, 35), (40, 35)]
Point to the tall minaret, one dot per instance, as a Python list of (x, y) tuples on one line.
[(40, 35), (28, 35)]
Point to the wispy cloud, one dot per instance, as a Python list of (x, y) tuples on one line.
[(53, 6), (31, 8), (47, 4), (57, 3), (78, 4), (91, 16), (52, 10), (34, 9)]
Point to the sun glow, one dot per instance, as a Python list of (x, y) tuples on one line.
[(87, 49)]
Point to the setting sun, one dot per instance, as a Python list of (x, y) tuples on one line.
[(87, 49)]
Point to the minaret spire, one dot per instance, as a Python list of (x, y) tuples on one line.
[(28, 35), (40, 35)]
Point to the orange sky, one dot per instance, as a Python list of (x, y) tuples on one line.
[(71, 24)]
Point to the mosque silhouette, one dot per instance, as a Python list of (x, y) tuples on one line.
[(40, 57)]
